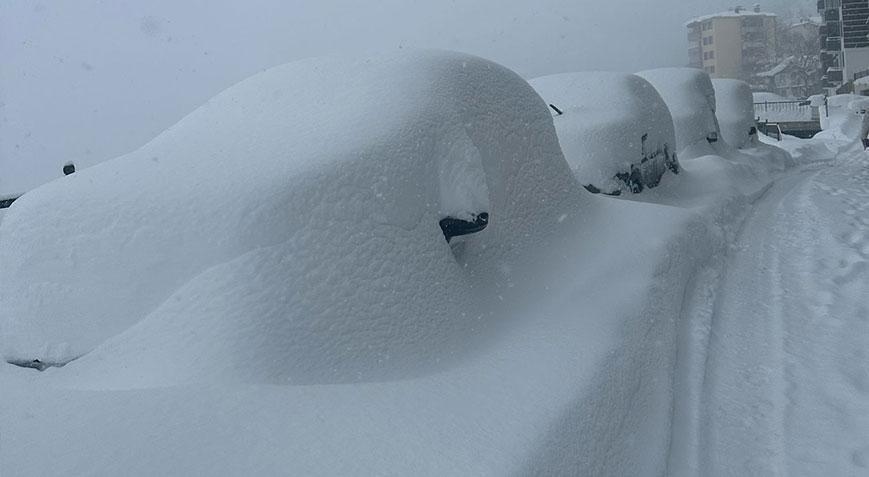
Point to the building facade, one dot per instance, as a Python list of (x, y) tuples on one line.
[(844, 37), (736, 44)]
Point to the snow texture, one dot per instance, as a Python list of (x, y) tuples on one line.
[(714, 326), (612, 124), (735, 112), (690, 96), (287, 230)]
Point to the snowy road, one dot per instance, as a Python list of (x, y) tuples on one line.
[(785, 385)]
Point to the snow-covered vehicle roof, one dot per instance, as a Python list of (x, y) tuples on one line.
[(735, 112), (615, 130), (690, 96), (289, 228)]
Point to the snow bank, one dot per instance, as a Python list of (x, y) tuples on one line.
[(616, 131), (287, 230), (847, 113), (690, 96)]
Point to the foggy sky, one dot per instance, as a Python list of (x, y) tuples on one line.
[(88, 80)]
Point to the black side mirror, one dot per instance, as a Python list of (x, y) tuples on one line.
[(453, 227), (68, 169)]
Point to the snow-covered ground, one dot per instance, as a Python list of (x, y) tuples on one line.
[(713, 325)]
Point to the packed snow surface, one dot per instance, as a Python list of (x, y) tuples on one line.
[(690, 96), (612, 124), (735, 112)]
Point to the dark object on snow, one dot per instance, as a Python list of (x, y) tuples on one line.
[(34, 364), (865, 143), (752, 131), (5, 202), (557, 111), (37, 364), (453, 227), (712, 137), (68, 168)]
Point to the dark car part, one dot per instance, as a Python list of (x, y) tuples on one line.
[(5, 202), (453, 227)]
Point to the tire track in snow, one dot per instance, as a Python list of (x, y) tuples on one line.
[(786, 386), (744, 393)]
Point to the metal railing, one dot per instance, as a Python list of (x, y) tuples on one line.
[(782, 111)]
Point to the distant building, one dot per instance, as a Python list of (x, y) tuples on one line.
[(797, 74), (788, 79), (736, 44), (844, 38)]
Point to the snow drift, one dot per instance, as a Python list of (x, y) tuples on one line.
[(615, 130), (690, 96), (847, 115), (287, 230), (735, 112)]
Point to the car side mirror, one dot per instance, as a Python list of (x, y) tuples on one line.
[(453, 227)]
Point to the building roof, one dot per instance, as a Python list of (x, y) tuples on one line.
[(778, 68), (730, 14)]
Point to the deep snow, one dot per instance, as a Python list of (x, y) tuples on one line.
[(287, 230), (611, 124), (591, 349), (690, 96)]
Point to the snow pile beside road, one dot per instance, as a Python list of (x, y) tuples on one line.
[(845, 121), (288, 230), (690, 96), (613, 124), (735, 112)]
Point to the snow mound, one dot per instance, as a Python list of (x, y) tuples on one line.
[(616, 131), (845, 120), (690, 96), (735, 112), (288, 229)]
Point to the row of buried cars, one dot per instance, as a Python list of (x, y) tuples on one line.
[(322, 191), (622, 132)]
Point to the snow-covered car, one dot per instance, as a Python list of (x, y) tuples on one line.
[(735, 112), (690, 96), (615, 130), (292, 228)]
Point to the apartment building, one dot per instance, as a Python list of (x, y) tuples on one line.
[(736, 44), (844, 36)]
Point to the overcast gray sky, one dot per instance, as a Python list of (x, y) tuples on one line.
[(88, 80)]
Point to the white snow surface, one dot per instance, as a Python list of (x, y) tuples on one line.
[(287, 230), (605, 117), (735, 112), (714, 326), (690, 96), (846, 119)]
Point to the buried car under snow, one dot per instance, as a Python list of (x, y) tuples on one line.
[(291, 229), (690, 97), (615, 130), (735, 112)]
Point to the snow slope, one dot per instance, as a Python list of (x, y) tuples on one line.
[(612, 124)]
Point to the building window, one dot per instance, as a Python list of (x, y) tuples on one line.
[(711, 55), (707, 40)]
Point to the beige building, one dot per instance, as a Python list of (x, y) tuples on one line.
[(736, 44)]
